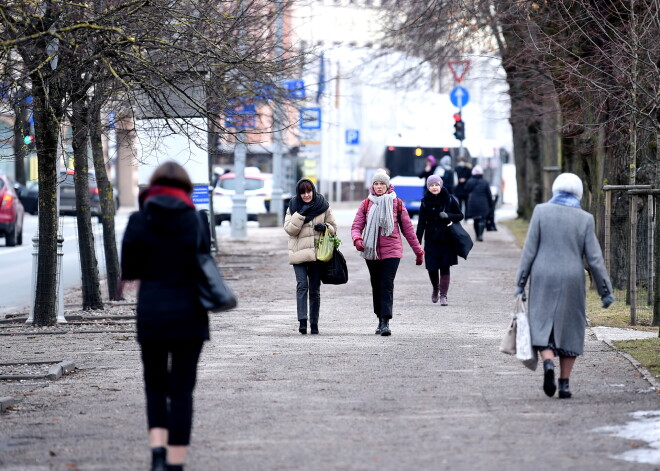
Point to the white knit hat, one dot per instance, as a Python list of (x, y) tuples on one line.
[(381, 176), (569, 183)]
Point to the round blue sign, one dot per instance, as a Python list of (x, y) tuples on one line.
[(459, 97)]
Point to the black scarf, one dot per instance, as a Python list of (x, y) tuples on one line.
[(437, 203), (318, 205)]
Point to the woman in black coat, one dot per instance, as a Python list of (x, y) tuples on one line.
[(159, 249), (437, 212), (480, 200)]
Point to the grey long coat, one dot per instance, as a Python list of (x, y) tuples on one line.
[(558, 239)]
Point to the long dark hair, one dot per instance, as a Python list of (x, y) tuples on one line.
[(172, 174)]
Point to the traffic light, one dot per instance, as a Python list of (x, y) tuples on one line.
[(459, 127)]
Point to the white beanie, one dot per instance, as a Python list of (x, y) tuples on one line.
[(381, 176), (568, 183)]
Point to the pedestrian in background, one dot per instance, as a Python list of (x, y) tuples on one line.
[(463, 172), (437, 212), (447, 174), (429, 168), (375, 233), (480, 200), (307, 216), (159, 249), (560, 237)]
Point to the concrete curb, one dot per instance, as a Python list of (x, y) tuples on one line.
[(55, 372), (6, 403), (638, 366)]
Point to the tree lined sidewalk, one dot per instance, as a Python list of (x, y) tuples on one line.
[(437, 394)]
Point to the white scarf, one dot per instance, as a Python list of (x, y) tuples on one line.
[(380, 215)]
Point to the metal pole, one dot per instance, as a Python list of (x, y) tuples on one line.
[(650, 249), (633, 261), (60, 282), (239, 210), (276, 205), (608, 229), (33, 291)]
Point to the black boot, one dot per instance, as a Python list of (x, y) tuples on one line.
[(303, 327), (380, 326), (434, 294), (314, 329), (549, 385), (158, 458), (174, 467), (564, 392), (385, 329)]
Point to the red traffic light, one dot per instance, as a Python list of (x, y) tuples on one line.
[(390, 148), (457, 117)]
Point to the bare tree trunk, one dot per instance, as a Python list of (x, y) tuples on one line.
[(107, 200), (20, 131), (47, 134), (91, 288)]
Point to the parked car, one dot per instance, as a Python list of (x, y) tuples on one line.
[(68, 194), (11, 212), (258, 192), (29, 196)]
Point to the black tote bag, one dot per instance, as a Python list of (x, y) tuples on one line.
[(214, 293), (335, 272), (461, 240)]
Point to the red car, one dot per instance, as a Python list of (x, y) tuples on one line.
[(11, 213)]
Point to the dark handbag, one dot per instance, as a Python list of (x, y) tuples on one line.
[(214, 294), (335, 271), (461, 240), (490, 218)]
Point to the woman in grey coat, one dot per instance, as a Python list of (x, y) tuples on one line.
[(560, 236)]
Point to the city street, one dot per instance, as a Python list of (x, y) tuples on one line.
[(435, 395)]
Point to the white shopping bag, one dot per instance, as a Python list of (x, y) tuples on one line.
[(524, 350)]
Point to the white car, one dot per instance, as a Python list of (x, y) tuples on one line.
[(258, 192)]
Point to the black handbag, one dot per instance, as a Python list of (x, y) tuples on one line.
[(335, 271), (461, 240), (214, 293)]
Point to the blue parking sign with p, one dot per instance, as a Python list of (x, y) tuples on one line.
[(352, 137)]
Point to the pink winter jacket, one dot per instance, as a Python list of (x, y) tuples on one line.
[(388, 246)]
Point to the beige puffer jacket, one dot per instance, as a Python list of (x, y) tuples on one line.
[(302, 235)]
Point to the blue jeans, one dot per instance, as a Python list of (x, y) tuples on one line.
[(308, 283)]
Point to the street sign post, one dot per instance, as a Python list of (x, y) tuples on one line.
[(310, 118), (459, 97)]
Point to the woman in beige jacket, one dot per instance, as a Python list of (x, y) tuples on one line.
[(308, 215)]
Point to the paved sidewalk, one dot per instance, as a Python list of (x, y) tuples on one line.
[(435, 395)]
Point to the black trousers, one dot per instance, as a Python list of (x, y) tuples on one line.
[(170, 373), (382, 273), (308, 284)]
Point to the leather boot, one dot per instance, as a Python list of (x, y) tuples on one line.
[(549, 385), (314, 329), (174, 467), (385, 330), (434, 295), (380, 326), (564, 392), (444, 288), (158, 458), (303, 327)]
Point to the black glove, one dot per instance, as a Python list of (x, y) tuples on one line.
[(319, 227), (304, 208), (443, 215), (607, 300)]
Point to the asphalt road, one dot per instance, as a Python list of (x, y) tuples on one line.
[(436, 395)]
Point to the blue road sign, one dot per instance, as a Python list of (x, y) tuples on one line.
[(200, 194), (352, 137), (459, 97), (295, 88), (310, 118)]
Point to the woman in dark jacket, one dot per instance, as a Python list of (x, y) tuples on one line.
[(480, 200), (437, 212), (159, 249)]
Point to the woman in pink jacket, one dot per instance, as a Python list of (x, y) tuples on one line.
[(375, 233)]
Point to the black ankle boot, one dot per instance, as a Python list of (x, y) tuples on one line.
[(385, 329), (564, 392), (380, 326), (303, 327), (549, 385), (314, 329), (158, 458), (174, 467)]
